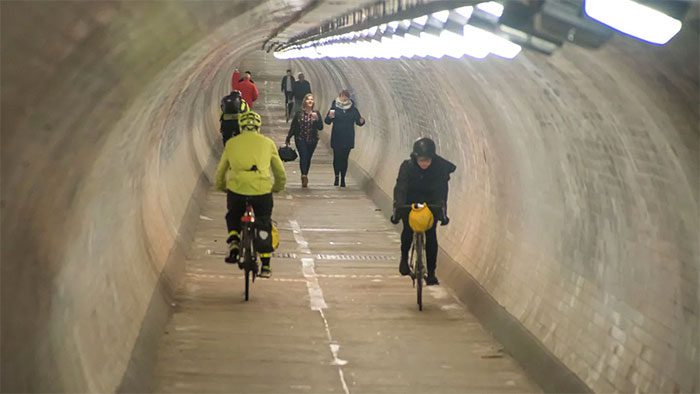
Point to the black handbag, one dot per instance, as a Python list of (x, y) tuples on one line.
[(287, 153)]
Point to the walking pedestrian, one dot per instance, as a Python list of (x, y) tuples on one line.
[(248, 90), (301, 88), (288, 90), (344, 115), (304, 128)]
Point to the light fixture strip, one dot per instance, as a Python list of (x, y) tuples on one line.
[(440, 33)]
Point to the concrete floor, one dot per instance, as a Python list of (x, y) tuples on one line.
[(334, 317)]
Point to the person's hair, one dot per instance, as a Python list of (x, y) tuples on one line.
[(303, 102), (289, 70), (249, 73), (300, 75), (345, 93)]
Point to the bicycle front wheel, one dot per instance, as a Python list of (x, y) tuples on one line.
[(419, 271)]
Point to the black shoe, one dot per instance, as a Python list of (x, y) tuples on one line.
[(336, 181), (403, 266), (232, 257), (342, 182), (431, 280)]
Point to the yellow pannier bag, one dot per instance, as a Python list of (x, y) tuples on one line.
[(420, 219), (275, 237)]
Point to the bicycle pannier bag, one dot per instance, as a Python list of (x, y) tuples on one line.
[(420, 219), (263, 237)]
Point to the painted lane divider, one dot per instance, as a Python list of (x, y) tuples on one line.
[(316, 300)]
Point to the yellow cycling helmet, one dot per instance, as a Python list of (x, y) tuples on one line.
[(420, 219), (249, 121)]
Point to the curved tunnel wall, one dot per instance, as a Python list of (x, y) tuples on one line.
[(108, 133), (577, 187), (575, 200)]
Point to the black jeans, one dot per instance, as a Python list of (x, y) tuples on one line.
[(289, 103), (431, 244), (306, 151), (262, 205), (340, 161), (229, 128)]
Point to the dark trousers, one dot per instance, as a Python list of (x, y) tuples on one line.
[(289, 103), (229, 128), (431, 244), (262, 205), (340, 161), (306, 151), (225, 137)]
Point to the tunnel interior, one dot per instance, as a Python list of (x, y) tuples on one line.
[(574, 207)]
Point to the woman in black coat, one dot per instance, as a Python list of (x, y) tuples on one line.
[(344, 116)]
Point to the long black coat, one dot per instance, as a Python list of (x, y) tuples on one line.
[(343, 131), (415, 185), (301, 88)]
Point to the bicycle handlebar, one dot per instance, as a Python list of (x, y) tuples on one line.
[(420, 205)]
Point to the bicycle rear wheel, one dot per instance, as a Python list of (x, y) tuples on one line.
[(419, 271), (247, 284), (247, 261)]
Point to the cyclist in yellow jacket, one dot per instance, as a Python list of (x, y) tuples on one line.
[(244, 172)]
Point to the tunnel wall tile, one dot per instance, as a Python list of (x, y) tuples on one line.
[(575, 200)]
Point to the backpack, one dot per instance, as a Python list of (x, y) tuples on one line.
[(231, 104)]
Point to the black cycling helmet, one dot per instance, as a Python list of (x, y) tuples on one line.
[(423, 147)]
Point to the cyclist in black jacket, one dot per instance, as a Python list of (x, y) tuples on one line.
[(231, 105), (422, 178)]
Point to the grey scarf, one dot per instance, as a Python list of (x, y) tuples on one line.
[(345, 105)]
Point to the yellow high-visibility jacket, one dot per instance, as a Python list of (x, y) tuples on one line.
[(246, 163)]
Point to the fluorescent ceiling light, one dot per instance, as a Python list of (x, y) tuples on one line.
[(465, 11), (421, 20), (441, 15), (632, 18), (491, 7), (492, 43), (368, 44)]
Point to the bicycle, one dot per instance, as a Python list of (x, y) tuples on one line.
[(416, 265), (247, 259)]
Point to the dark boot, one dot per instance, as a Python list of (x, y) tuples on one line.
[(265, 271), (431, 280), (337, 179), (233, 240), (403, 266), (342, 182)]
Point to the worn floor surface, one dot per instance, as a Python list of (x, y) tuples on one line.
[(334, 317)]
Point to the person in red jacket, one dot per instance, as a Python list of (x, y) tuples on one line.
[(248, 90)]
